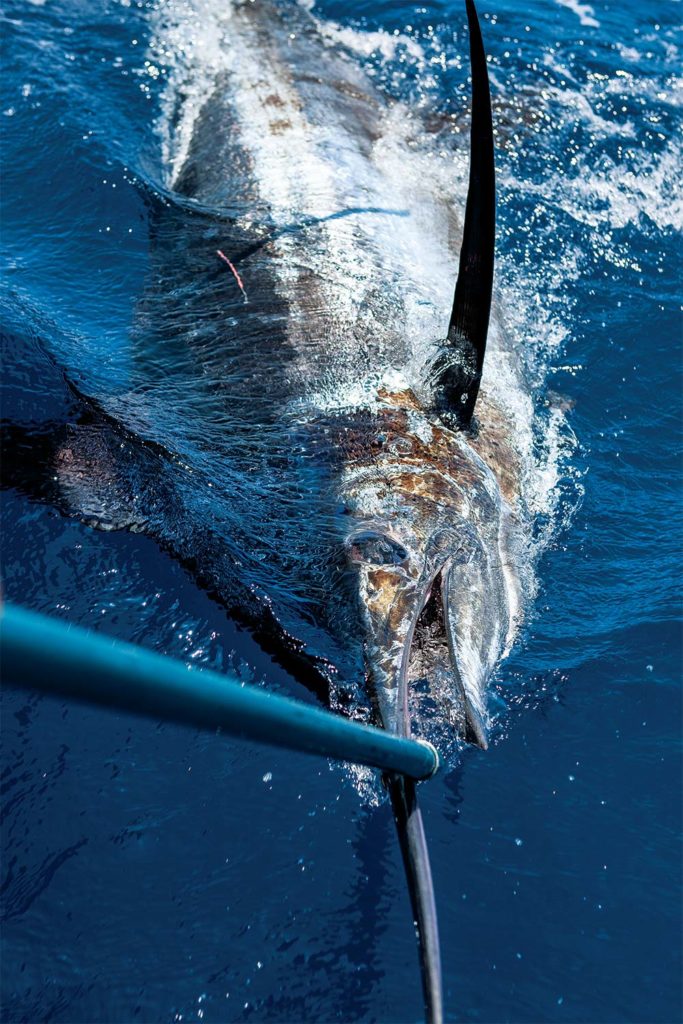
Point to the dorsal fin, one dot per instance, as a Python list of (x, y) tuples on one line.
[(457, 371)]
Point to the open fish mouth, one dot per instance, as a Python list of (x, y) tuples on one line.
[(415, 636)]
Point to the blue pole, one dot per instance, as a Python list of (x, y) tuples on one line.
[(45, 654)]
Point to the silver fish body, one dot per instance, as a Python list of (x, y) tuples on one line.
[(333, 207)]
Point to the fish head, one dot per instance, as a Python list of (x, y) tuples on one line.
[(428, 575)]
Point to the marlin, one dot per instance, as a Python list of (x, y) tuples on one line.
[(304, 426)]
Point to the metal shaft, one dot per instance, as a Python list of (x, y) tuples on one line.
[(37, 652)]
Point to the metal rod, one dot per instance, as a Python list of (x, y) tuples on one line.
[(37, 652)]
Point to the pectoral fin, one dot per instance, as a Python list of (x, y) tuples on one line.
[(96, 479)]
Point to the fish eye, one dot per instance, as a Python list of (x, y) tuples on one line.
[(376, 549)]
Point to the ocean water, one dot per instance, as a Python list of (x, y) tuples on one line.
[(150, 873)]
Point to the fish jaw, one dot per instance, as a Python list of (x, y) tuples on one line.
[(470, 673), (390, 605)]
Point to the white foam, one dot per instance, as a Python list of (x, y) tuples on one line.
[(610, 196), (584, 12), (368, 43)]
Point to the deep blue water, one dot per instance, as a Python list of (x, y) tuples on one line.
[(153, 874)]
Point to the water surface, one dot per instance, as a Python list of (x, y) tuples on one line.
[(153, 874)]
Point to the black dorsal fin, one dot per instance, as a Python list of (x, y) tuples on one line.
[(457, 371)]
